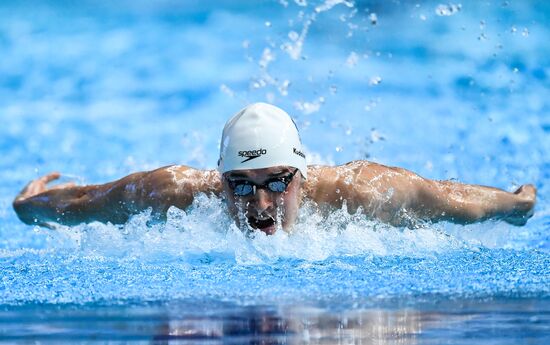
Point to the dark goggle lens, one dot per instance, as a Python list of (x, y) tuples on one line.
[(277, 186), (242, 189)]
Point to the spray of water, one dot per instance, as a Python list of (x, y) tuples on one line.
[(207, 229)]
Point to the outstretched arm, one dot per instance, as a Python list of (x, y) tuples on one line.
[(397, 196), (112, 202)]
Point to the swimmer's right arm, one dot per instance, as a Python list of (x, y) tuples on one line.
[(114, 202)]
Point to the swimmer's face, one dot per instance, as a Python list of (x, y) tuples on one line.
[(263, 209)]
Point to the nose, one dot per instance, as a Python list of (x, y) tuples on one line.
[(262, 200)]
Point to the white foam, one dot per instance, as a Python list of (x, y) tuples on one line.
[(206, 228)]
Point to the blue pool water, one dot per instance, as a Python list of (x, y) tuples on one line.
[(97, 90)]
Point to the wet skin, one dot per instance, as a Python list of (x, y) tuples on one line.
[(392, 195), (263, 210)]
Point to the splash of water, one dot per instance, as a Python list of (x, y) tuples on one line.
[(206, 229)]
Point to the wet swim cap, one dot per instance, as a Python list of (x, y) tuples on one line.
[(261, 136)]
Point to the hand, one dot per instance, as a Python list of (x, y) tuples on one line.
[(40, 185), (526, 197)]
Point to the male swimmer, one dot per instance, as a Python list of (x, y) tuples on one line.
[(263, 176)]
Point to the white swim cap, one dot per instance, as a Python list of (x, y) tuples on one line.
[(261, 136)]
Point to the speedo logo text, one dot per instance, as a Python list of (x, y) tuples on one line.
[(251, 154)]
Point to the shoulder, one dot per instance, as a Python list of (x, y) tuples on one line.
[(351, 181), (329, 174), (328, 184), (184, 178)]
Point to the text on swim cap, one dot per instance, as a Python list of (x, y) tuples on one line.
[(251, 154), (298, 152)]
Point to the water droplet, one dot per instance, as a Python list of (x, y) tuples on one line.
[(283, 88), (333, 89), (339, 149), (429, 165), (258, 83), (375, 80), (513, 29), (376, 136), (352, 59), (225, 89), (293, 35), (246, 44), (482, 37), (525, 32), (516, 70), (268, 24), (328, 4), (267, 57), (373, 18), (447, 10), (302, 3), (308, 107), (482, 25), (423, 17)]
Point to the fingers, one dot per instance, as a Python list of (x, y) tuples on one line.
[(63, 185), (50, 177), (37, 186), (523, 206), (528, 189)]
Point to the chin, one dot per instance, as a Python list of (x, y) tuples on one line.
[(268, 230)]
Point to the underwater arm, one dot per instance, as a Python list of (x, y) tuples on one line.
[(112, 202)]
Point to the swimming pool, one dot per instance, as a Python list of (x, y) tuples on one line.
[(450, 91)]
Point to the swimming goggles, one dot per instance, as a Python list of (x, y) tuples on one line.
[(276, 185)]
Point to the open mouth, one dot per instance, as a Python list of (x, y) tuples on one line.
[(266, 225)]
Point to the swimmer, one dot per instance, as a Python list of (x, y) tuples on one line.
[(263, 177)]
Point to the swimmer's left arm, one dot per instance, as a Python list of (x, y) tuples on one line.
[(398, 196)]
